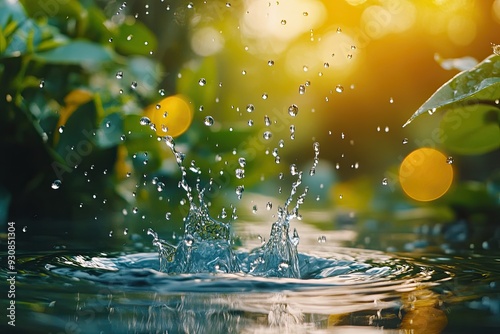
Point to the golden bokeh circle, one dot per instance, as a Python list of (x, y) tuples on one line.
[(425, 174), (172, 116)]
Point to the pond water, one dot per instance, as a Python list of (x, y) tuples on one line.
[(339, 289)]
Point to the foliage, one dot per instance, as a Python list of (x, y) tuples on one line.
[(76, 84), (472, 106)]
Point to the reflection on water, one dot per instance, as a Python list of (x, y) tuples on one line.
[(350, 289)]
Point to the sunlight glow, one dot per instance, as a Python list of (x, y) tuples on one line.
[(271, 26), (425, 174)]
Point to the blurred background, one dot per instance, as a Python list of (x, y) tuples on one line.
[(245, 88)]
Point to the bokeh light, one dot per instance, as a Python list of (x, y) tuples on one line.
[(172, 116), (425, 174)]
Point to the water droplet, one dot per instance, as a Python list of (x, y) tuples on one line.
[(250, 122), (254, 209), (228, 4), (267, 135), (160, 186), (110, 234), (265, 96), (61, 129), (125, 231), (339, 89), (293, 110), (391, 100), (56, 184), (386, 129), (305, 68), (449, 160), (269, 206), (283, 22), (135, 210), (25, 229), (250, 107), (188, 240), (326, 65), (405, 141), (302, 89), (240, 173), (119, 75), (270, 62), (339, 30), (145, 121), (242, 162), (42, 83), (209, 121), (190, 5), (202, 82), (133, 85), (322, 239), (267, 120), (239, 191), (385, 181), (161, 92), (305, 13), (496, 49)]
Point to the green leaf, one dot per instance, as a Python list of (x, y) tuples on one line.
[(78, 133), (76, 52), (11, 11), (479, 85), (471, 129), (110, 131), (134, 38), (21, 38)]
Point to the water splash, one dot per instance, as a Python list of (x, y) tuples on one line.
[(207, 244)]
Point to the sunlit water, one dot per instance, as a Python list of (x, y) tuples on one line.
[(70, 292)]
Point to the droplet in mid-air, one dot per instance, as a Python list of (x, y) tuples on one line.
[(56, 184), (250, 107), (449, 160), (265, 96), (202, 82), (405, 141), (283, 22), (133, 85), (240, 173), (293, 110), (339, 89), (267, 135), (270, 63), (209, 121), (385, 181), (42, 83), (119, 75), (239, 191), (302, 89), (145, 121)]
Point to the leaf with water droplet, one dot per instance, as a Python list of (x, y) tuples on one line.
[(477, 86)]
